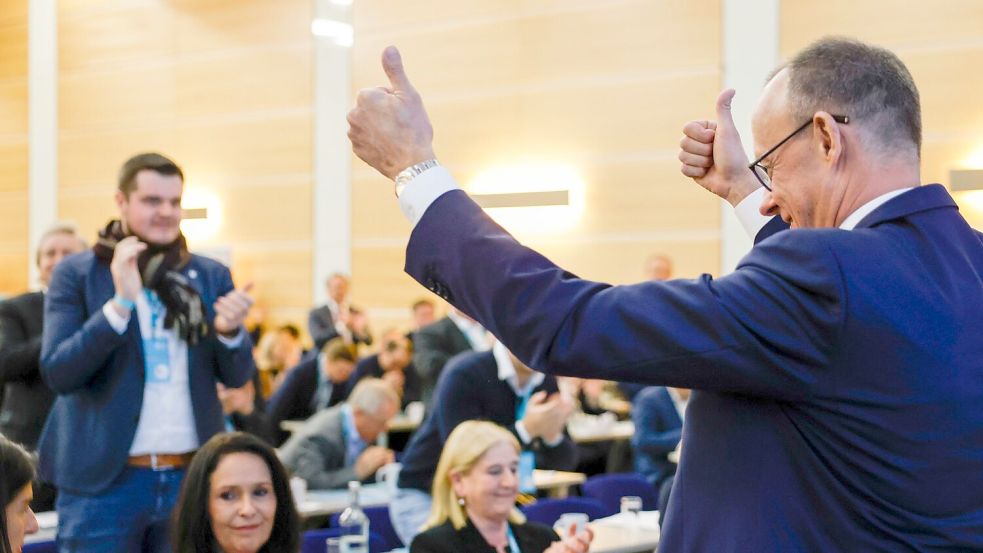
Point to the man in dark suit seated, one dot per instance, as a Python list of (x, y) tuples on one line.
[(335, 446), (318, 382), (26, 399), (490, 385), (244, 410), (836, 372), (392, 364), (137, 331), (658, 416), (338, 318), (435, 344)]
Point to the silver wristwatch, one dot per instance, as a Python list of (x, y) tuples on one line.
[(406, 175)]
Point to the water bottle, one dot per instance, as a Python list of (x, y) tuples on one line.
[(354, 524)]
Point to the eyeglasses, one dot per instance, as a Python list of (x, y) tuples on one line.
[(764, 173)]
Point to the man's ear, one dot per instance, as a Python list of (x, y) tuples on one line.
[(828, 137)]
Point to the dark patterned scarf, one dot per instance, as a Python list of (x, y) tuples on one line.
[(159, 268)]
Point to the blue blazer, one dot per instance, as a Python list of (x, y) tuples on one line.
[(658, 430), (98, 374), (838, 374)]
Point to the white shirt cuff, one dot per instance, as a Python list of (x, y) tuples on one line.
[(235, 341), (524, 436), (554, 443), (423, 190), (749, 214), (118, 323)]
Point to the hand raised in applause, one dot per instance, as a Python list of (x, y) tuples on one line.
[(573, 542), (712, 154), (546, 417), (231, 310), (126, 274), (388, 127)]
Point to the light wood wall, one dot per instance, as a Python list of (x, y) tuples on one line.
[(13, 147), (942, 45), (603, 86), (222, 87)]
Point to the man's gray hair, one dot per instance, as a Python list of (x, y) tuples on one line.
[(371, 395), (869, 84), (59, 227)]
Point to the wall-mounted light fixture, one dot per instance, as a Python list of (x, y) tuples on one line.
[(523, 199), (530, 196), (342, 33), (201, 222), (966, 179)]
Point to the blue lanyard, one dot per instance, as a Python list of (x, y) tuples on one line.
[(513, 545), (155, 310), (521, 404)]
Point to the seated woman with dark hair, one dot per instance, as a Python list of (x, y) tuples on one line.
[(235, 499), (16, 518), (474, 491)]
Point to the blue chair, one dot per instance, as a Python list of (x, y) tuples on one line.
[(379, 524), (610, 488), (314, 541), (41, 547), (548, 511)]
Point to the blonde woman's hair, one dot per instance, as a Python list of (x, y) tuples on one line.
[(464, 447)]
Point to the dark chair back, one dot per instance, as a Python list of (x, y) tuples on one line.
[(610, 488), (548, 511), (315, 541)]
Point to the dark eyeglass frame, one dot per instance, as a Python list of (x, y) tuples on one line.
[(755, 165)]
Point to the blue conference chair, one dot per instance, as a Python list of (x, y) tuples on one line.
[(41, 547), (548, 511), (379, 524), (610, 488)]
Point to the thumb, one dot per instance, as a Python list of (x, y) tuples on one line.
[(392, 64), (247, 288), (537, 398), (725, 121)]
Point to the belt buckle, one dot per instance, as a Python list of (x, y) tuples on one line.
[(156, 466)]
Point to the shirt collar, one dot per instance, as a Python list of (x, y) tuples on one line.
[(464, 325), (851, 221), (348, 422), (506, 371)]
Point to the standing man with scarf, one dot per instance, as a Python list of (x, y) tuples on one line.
[(137, 332)]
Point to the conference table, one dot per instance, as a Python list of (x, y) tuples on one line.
[(591, 432)]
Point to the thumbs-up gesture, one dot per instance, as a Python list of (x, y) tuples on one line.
[(389, 127), (231, 310), (713, 156)]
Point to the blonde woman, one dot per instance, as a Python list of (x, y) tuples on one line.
[(474, 493)]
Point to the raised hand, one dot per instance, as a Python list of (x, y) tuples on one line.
[(713, 156), (389, 127), (126, 274), (231, 310)]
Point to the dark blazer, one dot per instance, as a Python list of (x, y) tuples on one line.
[(837, 374), (469, 389), (433, 346), (531, 537), (295, 399), (658, 430), (320, 325), (26, 399), (317, 452), (99, 378), (369, 367)]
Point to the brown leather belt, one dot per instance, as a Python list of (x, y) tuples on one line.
[(161, 461)]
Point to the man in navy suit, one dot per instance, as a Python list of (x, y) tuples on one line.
[(836, 372), (137, 331), (658, 416)]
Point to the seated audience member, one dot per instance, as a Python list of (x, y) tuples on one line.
[(424, 313), (658, 413), (474, 492), (492, 385), (275, 354), (25, 399), (338, 318), (317, 383), (16, 519), (658, 266), (235, 498), (393, 365), (335, 445), (435, 344), (243, 410)]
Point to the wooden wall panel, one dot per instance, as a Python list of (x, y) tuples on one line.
[(600, 86), (13, 147), (942, 45), (224, 88)]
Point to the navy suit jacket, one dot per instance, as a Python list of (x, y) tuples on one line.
[(99, 377), (837, 374), (26, 399), (658, 430), (295, 398)]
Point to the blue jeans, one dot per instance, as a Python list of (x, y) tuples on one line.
[(132, 515), (408, 511)]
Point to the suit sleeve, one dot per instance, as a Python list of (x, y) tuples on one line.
[(320, 460), (768, 329), (75, 345), (19, 355), (426, 542), (283, 405), (459, 400), (233, 366), (321, 331)]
